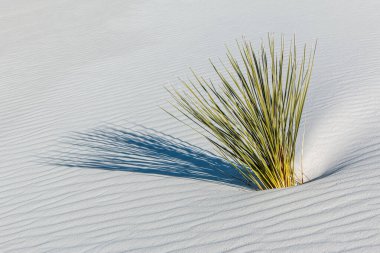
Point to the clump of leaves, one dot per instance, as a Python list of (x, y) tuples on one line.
[(253, 115)]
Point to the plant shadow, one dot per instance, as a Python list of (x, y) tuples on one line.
[(145, 151)]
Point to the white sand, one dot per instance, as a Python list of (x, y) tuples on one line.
[(75, 65)]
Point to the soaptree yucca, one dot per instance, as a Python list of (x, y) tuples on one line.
[(252, 115)]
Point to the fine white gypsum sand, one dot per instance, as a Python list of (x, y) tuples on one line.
[(76, 66)]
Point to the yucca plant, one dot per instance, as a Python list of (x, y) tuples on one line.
[(253, 115)]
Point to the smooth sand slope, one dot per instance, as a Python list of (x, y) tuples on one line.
[(76, 66)]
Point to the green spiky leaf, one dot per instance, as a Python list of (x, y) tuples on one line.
[(252, 116)]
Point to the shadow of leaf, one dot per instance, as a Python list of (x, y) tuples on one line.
[(144, 151)]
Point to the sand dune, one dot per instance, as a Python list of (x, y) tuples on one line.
[(69, 68)]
